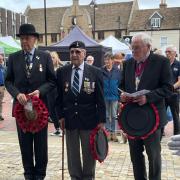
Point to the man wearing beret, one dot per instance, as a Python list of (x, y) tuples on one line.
[(81, 107), (149, 71), (30, 72)]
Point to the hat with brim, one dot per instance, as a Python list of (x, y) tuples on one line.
[(31, 121), (27, 29), (139, 122), (99, 144)]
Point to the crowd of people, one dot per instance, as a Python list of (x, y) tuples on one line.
[(81, 97)]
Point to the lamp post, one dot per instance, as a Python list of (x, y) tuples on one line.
[(94, 6), (45, 24)]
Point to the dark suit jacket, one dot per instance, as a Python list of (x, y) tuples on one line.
[(16, 81), (156, 77), (87, 109)]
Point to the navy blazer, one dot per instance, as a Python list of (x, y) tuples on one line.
[(87, 109), (42, 79), (156, 77)]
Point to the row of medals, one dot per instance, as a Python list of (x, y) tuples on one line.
[(88, 87), (28, 69)]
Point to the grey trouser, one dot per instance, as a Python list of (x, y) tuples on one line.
[(78, 170)]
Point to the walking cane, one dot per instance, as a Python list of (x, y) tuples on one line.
[(62, 151)]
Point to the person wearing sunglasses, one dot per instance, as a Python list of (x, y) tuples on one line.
[(80, 108)]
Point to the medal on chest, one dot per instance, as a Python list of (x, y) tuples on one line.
[(137, 81), (40, 68), (66, 86)]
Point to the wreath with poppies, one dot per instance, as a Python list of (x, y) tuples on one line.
[(35, 121), (93, 144), (156, 125)]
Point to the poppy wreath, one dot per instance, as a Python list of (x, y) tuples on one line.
[(128, 120), (99, 153), (40, 115)]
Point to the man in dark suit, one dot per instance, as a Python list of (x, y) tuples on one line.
[(33, 75), (173, 100), (81, 106), (151, 72)]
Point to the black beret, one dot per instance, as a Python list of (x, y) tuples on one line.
[(77, 44)]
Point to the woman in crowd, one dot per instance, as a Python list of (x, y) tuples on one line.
[(57, 63)]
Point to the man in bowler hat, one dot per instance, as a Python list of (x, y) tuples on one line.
[(81, 107), (149, 71), (36, 78)]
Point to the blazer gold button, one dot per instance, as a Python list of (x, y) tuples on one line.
[(76, 104), (76, 113)]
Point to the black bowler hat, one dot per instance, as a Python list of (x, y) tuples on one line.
[(139, 122), (99, 144), (77, 44), (27, 29)]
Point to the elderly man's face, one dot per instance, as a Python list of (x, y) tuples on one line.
[(139, 49), (90, 60), (77, 56), (27, 42), (170, 54)]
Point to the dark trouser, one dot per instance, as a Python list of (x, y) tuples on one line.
[(153, 150), (80, 170), (173, 103), (34, 144), (52, 107)]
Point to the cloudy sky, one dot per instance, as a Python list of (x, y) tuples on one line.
[(20, 5)]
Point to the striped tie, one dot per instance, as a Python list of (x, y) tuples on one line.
[(75, 85), (28, 64)]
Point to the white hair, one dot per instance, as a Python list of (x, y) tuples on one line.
[(145, 38), (90, 57), (172, 48)]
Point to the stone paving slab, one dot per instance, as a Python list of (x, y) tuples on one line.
[(117, 166)]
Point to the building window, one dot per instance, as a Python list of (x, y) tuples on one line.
[(53, 37), (100, 35), (163, 41), (118, 34), (40, 40), (155, 22)]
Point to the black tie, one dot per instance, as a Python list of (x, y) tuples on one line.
[(75, 85)]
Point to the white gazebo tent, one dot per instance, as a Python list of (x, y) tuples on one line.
[(116, 45)]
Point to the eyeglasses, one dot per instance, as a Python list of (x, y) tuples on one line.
[(169, 51), (137, 48), (75, 51)]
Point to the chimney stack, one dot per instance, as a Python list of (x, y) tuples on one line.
[(163, 4)]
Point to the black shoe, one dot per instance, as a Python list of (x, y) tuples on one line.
[(1, 118), (56, 133)]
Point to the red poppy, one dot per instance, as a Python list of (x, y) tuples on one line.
[(41, 118)]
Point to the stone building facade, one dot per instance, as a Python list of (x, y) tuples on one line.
[(110, 19), (10, 22), (117, 19)]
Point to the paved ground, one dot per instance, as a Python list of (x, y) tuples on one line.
[(117, 166)]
